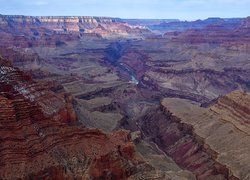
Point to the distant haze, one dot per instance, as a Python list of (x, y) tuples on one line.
[(144, 9)]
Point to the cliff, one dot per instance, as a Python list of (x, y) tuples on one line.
[(233, 36), (235, 108), (40, 137), (179, 142), (181, 26), (29, 31), (211, 142)]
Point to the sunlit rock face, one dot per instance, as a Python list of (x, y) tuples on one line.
[(233, 35), (210, 141), (28, 31), (40, 136), (176, 26)]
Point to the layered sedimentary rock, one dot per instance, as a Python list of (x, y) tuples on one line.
[(21, 58), (114, 82), (180, 143), (206, 84), (4, 62), (181, 26), (56, 23), (199, 72), (41, 138), (235, 108), (211, 142), (237, 35), (177, 66), (29, 31)]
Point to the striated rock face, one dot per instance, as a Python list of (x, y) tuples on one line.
[(200, 72), (234, 37), (196, 64), (113, 82), (4, 62), (29, 31), (14, 82), (180, 26), (180, 143), (205, 82), (235, 108), (41, 138), (211, 142), (56, 23), (245, 27), (21, 58)]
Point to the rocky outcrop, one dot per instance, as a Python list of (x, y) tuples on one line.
[(200, 85), (148, 22), (245, 27), (4, 62), (234, 37), (235, 108), (180, 142), (211, 142), (29, 31), (56, 23), (41, 138), (180, 26), (21, 58), (197, 71)]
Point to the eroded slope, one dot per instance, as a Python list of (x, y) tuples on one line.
[(223, 128), (41, 138)]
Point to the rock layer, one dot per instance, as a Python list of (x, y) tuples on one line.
[(211, 142), (180, 26), (236, 36), (30, 31), (235, 108), (180, 142), (39, 128), (41, 138)]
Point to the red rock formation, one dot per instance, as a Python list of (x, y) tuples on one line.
[(28, 31), (4, 62), (235, 37), (180, 142), (213, 142), (40, 137), (235, 107)]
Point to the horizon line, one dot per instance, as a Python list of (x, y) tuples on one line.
[(122, 18)]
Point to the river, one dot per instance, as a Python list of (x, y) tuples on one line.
[(114, 53)]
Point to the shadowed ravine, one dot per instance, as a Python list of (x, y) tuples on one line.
[(114, 52)]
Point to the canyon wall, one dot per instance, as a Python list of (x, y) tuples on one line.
[(95, 67), (234, 37), (30, 31), (40, 137), (177, 26), (211, 142)]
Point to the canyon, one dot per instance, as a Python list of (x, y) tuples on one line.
[(110, 98)]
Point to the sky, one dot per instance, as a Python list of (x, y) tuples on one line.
[(144, 9)]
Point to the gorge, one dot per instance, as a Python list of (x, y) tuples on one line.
[(110, 98)]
